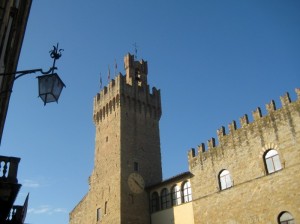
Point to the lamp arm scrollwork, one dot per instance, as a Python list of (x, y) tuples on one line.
[(55, 54), (31, 71)]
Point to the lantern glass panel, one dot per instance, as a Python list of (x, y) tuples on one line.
[(57, 86), (50, 87)]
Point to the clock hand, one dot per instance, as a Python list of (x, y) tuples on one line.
[(137, 183)]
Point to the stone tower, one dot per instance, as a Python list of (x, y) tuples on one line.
[(127, 150)]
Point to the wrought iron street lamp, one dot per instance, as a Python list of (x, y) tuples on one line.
[(50, 85)]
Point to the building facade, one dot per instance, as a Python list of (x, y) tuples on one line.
[(171, 200), (250, 176), (13, 20)]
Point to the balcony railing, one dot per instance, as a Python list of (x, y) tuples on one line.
[(9, 186), (18, 213), (9, 169)]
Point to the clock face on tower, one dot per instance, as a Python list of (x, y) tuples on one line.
[(136, 183)]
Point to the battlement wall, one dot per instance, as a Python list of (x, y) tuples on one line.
[(260, 131), (119, 92), (249, 186)]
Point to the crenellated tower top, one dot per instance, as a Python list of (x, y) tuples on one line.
[(135, 70), (131, 90)]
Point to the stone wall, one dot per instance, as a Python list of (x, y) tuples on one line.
[(256, 196)]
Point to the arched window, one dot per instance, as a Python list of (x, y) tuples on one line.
[(272, 161), (155, 202), (165, 199), (285, 218), (187, 192), (176, 195), (225, 180)]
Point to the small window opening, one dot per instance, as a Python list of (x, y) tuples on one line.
[(136, 166), (99, 214), (105, 208), (137, 74), (225, 180)]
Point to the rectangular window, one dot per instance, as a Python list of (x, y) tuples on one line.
[(165, 200), (176, 195), (136, 166), (155, 202), (187, 192), (99, 214)]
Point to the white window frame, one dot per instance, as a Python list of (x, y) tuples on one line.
[(272, 161), (225, 180), (187, 192), (176, 195)]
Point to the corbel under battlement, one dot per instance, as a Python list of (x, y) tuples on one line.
[(202, 154), (119, 91), (120, 86)]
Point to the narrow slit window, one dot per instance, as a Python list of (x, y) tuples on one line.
[(136, 166), (105, 208), (99, 214)]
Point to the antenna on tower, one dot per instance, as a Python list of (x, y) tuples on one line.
[(135, 50)]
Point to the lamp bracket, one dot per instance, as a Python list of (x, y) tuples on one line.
[(26, 72), (55, 54)]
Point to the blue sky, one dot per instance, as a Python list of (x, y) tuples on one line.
[(214, 61)]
